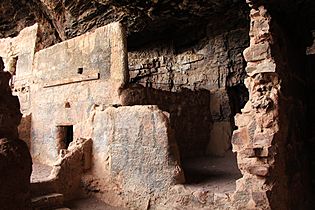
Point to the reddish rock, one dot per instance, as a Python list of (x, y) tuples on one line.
[(259, 170), (257, 52), (16, 168), (15, 159), (240, 137)]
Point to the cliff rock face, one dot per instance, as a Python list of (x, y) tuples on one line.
[(173, 46), (61, 20), (188, 58), (15, 159)]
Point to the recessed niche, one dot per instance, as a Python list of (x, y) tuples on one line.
[(67, 105), (80, 70)]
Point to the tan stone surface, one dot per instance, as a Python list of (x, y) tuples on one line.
[(134, 154), (21, 46), (258, 126), (70, 79), (220, 138)]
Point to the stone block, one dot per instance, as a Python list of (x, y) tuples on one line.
[(242, 120), (257, 52), (259, 170), (138, 145), (240, 137), (249, 181), (262, 140), (247, 152), (266, 66), (220, 198), (240, 199)]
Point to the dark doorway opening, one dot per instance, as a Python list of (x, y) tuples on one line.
[(1, 64), (64, 136)]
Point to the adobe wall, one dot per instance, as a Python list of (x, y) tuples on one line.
[(134, 156), (72, 77)]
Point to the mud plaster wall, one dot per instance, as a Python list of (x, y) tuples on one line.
[(196, 85), (135, 154), (62, 95)]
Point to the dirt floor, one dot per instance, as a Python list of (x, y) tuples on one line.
[(42, 171), (215, 174), (90, 204)]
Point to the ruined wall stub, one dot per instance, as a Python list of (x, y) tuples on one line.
[(70, 79), (260, 138)]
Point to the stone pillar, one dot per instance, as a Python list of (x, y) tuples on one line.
[(15, 159), (258, 141)]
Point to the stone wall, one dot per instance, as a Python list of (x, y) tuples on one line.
[(257, 139), (190, 116), (65, 176), (135, 155), (72, 77), (269, 138), (18, 55), (175, 78)]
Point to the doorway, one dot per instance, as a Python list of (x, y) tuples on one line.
[(64, 136)]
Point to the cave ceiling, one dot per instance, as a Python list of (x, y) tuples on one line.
[(146, 20)]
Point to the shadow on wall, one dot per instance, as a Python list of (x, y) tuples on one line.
[(1, 64), (189, 110), (238, 96)]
